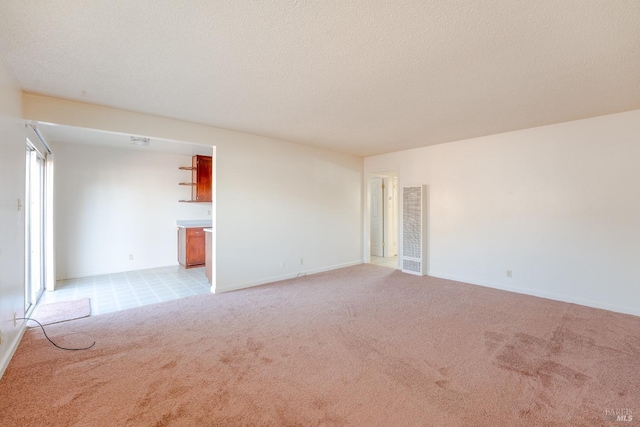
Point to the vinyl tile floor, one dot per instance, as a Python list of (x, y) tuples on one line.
[(391, 261), (119, 291)]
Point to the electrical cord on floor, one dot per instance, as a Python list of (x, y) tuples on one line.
[(47, 336)]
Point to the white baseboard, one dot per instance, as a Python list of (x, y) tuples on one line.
[(232, 287), (13, 346), (542, 294)]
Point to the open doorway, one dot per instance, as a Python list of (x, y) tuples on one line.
[(117, 209), (383, 219)]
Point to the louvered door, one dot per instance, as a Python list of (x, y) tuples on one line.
[(414, 227)]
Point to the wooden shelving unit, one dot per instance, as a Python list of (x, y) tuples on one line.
[(201, 179)]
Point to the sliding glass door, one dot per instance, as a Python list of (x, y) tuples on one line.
[(35, 224)]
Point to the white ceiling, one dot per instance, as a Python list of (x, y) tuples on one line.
[(360, 76)]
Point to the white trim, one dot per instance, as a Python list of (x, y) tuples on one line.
[(245, 285), (541, 294), (49, 225), (4, 363)]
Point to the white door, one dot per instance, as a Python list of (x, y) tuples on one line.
[(391, 190), (377, 217)]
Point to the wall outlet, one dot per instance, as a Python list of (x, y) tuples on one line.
[(282, 264), (209, 212), (509, 273), (15, 318), (301, 261), (130, 257)]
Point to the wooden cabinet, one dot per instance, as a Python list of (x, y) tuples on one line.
[(191, 247), (201, 179)]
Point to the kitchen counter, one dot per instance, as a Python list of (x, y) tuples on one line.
[(195, 223)]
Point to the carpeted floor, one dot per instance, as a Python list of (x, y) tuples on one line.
[(61, 311), (360, 346)]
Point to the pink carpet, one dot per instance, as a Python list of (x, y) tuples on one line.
[(360, 346), (61, 311)]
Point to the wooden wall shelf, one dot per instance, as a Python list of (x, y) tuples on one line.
[(201, 179)]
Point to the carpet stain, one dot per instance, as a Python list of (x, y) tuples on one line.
[(179, 391), (228, 357), (168, 417), (220, 399), (320, 403), (492, 340), (144, 402), (242, 360), (332, 420), (351, 310), (405, 373), (529, 355), (169, 365), (254, 346)]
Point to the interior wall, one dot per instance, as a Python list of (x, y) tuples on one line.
[(557, 205), (12, 233), (113, 202), (277, 202)]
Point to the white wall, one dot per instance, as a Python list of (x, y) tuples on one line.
[(276, 201), (12, 188), (112, 202), (558, 205)]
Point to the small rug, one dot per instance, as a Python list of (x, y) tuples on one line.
[(62, 311)]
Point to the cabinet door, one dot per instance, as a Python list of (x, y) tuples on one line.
[(201, 191), (196, 252)]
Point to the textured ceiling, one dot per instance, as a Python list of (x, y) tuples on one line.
[(362, 76)]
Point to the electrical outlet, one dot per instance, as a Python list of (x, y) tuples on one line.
[(509, 273), (209, 212), (301, 261), (130, 257), (15, 318)]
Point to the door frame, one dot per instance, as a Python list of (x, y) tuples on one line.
[(382, 211), (35, 185), (36, 141), (366, 238)]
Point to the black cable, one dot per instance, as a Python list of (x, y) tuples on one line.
[(47, 336)]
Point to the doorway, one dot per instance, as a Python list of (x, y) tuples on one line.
[(383, 219)]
